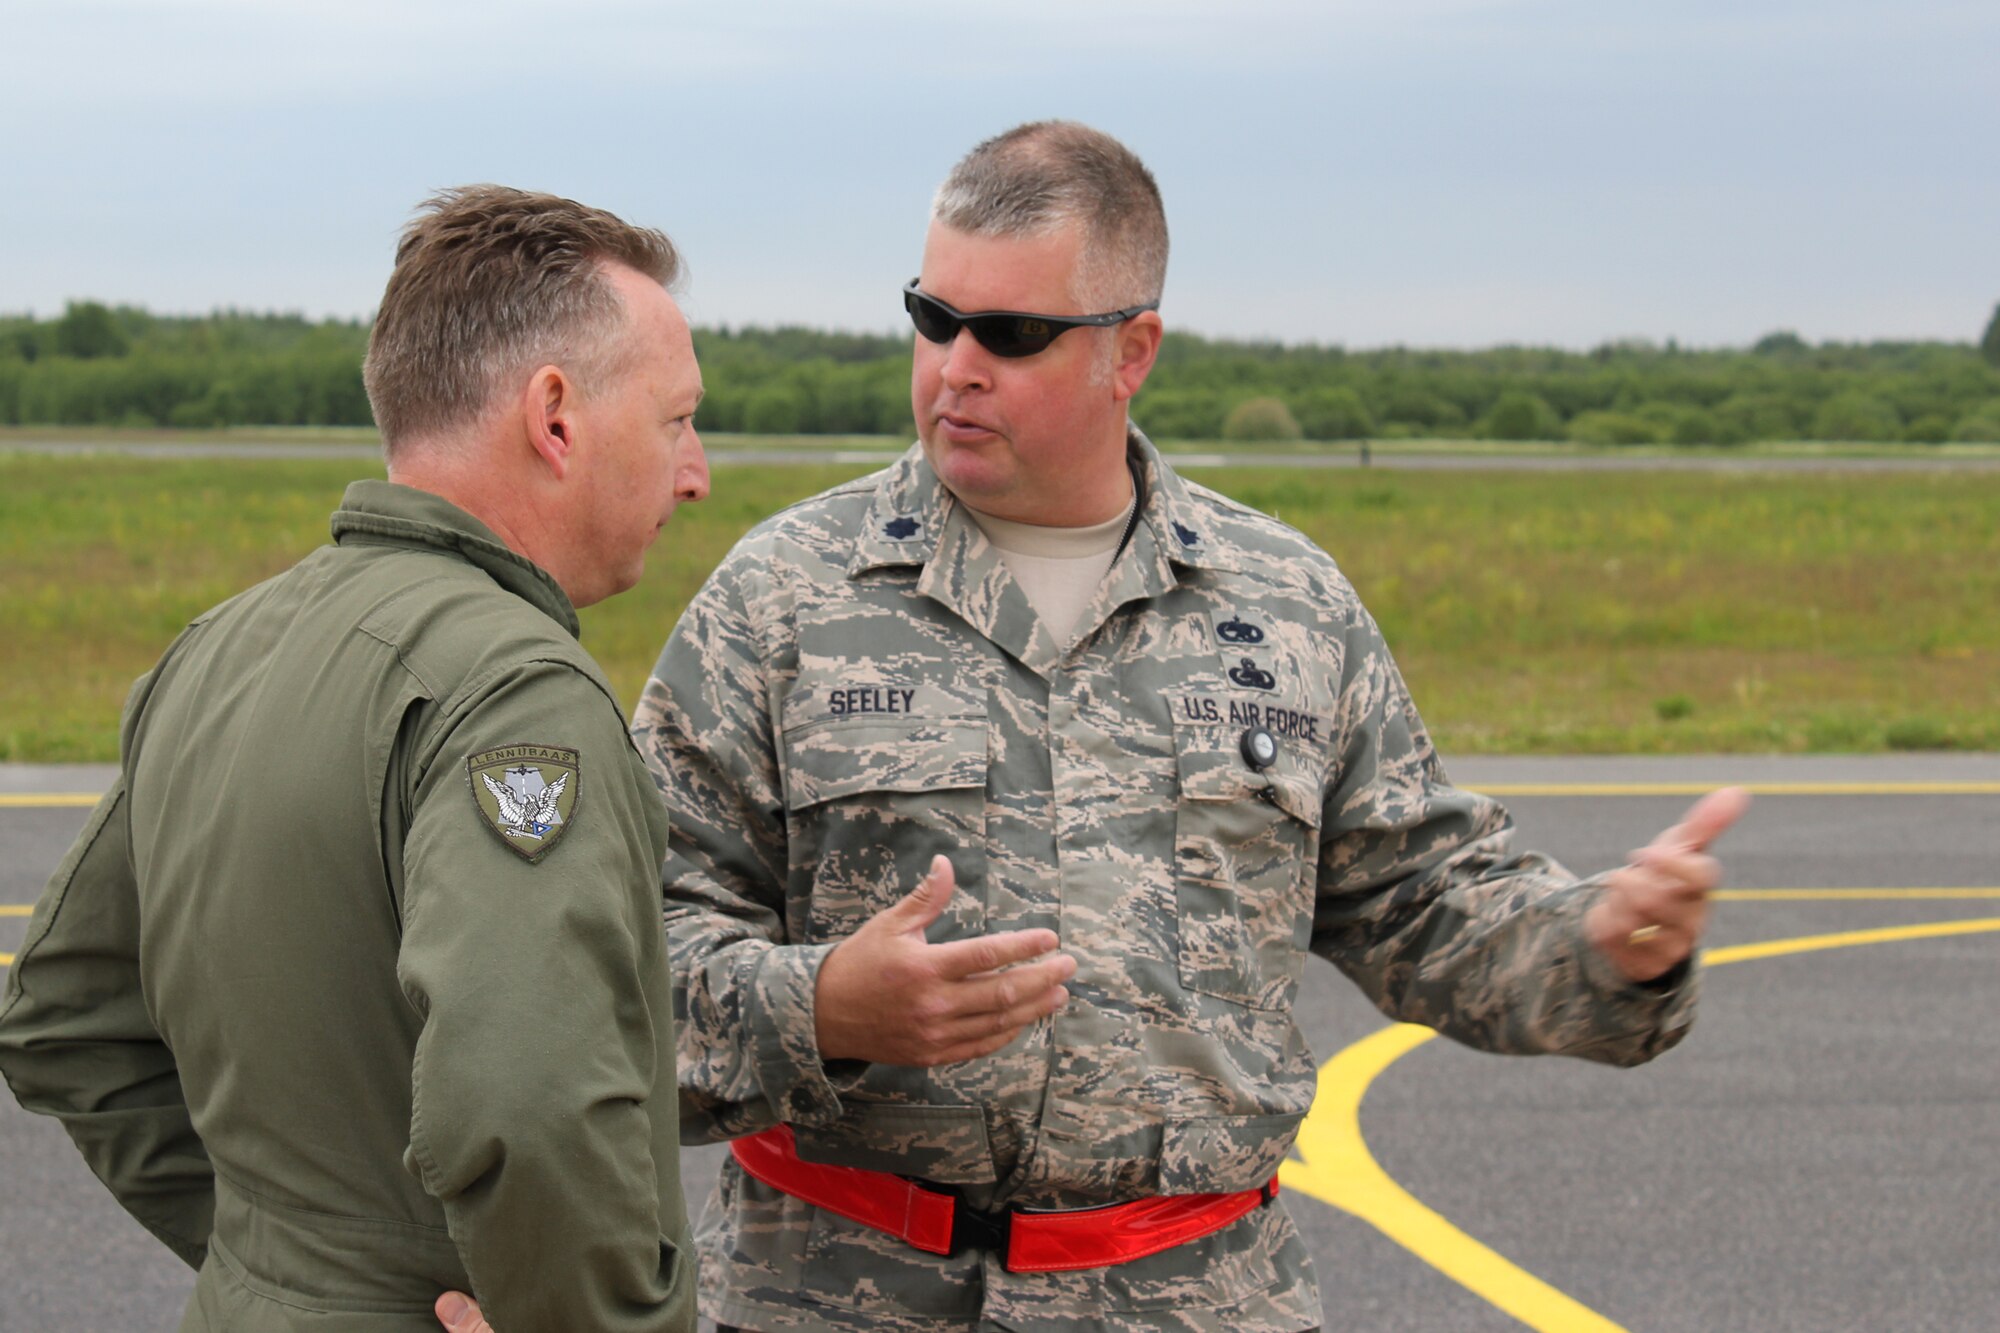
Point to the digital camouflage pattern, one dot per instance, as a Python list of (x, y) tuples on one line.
[(861, 685)]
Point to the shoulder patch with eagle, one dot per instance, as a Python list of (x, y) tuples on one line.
[(527, 794)]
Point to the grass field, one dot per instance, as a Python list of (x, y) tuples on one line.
[(1531, 612)]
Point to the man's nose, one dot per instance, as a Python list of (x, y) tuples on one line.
[(967, 365), (692, 483)]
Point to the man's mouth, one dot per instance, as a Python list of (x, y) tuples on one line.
[(962, 428)]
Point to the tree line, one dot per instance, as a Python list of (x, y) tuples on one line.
[(123, 366)]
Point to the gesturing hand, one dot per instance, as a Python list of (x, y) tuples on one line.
[(1653, 910), (888, 995)]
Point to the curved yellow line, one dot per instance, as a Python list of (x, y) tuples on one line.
[(47, 800), (1847, 939), (6, 960), (1339, 1170)]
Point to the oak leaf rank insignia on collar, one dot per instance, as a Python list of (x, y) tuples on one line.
[(527, 795)]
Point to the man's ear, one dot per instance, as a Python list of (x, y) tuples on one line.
[(1138, 347), (548, 411)]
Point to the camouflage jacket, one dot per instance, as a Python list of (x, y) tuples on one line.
[(861, 685)]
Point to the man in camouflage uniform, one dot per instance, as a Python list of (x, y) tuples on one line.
[(352, 990), (1175, 749)]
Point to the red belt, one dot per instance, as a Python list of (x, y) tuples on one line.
[(1032, 1241)]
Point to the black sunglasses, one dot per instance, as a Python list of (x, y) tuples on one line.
[(1003, 332)]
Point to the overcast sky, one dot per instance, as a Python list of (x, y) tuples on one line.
[(1365, 172)]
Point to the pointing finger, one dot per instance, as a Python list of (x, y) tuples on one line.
[(1706, 820)]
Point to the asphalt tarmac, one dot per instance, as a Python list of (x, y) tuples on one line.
[(1822, 1153)]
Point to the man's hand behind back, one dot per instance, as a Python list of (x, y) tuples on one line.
[(459, 1313), (888, 995)]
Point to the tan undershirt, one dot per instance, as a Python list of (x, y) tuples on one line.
[(1059, 568)]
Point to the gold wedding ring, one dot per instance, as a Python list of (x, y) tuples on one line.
[(1642, 934)]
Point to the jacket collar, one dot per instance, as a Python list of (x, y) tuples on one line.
[(912, 510), (383, 513), (914, 521)]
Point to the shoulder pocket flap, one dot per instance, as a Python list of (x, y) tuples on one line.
[(946, 1144), (825, 763)]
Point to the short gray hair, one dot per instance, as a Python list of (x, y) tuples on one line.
[(489, 282), (1052, 173)]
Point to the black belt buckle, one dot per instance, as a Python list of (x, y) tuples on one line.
[(972, 1229)]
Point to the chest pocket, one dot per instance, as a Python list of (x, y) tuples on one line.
[(1245, 846), (870, 801)]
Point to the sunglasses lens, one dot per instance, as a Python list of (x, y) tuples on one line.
[(1002, 335), (932, 320), (1013, 335)]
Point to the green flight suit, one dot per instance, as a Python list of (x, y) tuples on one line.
[(353, 989)]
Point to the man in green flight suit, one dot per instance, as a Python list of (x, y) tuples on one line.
[(353, 990)]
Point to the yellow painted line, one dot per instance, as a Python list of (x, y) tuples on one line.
[(1339, 1170), (1848, 895), (47, 800), (6, 960), (1755, 788), (1743, 953), (16, 909)]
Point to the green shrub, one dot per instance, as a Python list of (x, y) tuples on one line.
[(1178, 414), (1931, 428), (1855, 415), (1520, 415), (1759, 416), (1839, 732), (1695, 425), (1979, 426), (1917, 733), (1261, 419), (1334, 414), (777, 410), (1612, 428), (1419, 412)]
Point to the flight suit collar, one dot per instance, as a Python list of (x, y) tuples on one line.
[(383, 513)]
